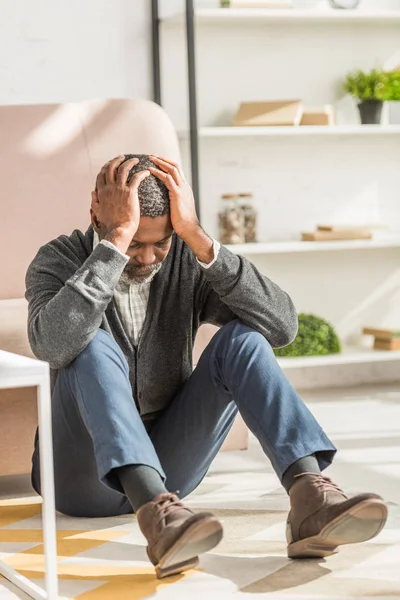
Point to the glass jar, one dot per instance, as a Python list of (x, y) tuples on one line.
[(231, 220), (246, 202)]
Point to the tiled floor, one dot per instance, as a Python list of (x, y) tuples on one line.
[(251, 562)]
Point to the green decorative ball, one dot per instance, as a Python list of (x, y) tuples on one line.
[(316, 337)]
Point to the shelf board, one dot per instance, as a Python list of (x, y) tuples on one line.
[(268, 15), (298, 246), (350, 355), (317, 130)]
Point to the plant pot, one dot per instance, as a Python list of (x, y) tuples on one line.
[(370, 112)]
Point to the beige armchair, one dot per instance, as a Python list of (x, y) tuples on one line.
[(61, 148)]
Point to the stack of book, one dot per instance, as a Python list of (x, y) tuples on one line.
[(385, 338), (332, 233), (281, 113)]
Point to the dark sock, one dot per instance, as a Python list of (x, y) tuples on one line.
[(140, 483), (308, 464)]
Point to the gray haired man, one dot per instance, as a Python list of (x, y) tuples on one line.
[(115, 312)]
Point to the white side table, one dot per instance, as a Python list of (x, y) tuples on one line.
[(18, 371)]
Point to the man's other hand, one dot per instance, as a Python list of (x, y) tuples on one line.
[(115, 202)]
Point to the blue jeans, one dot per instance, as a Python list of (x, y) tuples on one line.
[(97, 427)]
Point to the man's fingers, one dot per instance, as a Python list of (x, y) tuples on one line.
[(111, 168), (124, 170), (101, 177), (95, 199), (100, 180), (169, 167), (167, 160), (166, 178), (137, 179)]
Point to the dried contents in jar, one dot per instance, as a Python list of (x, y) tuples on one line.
[(231, 221), (250, 217)]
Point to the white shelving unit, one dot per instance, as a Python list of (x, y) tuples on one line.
[(238, 16), (298, 246), (369, 27), (350, 355), (335, 131)]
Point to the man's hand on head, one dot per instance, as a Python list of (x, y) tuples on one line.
[(115, 202), (182, 208)]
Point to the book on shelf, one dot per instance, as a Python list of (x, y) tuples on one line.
[(277, 113), (318, 116), (363, 227), (256, 4), (383, 334), (387, 344), (335, 236)]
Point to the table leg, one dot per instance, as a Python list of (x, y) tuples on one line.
[(47, 488), (48, 507), (22, 583)]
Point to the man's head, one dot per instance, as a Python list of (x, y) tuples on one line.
[(152, 241), (153, 194)]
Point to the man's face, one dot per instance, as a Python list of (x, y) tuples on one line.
[(148, 248)]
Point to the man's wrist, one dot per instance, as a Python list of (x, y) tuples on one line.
[(120, 238), (201, 244)]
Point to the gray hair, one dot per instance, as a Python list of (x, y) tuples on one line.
[(153, 193)]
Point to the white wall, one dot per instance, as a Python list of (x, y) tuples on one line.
[(298, 182), (56, 51)]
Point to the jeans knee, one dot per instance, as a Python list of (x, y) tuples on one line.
[(239, 333), (241, 343), (101, 348)]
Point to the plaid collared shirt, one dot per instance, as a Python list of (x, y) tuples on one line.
[(132, 299)]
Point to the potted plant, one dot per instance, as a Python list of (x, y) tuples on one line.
[(393, 96), (371, 89), (315, 337), (393, 86)]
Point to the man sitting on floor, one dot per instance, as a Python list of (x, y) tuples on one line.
[(115, 312)]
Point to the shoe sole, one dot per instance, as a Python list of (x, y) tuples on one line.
[(359, 523), (183, 555)]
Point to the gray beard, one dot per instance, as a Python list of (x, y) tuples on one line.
[(129, 275)]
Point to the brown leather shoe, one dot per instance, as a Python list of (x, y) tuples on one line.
[(175, 534), (322, 517)]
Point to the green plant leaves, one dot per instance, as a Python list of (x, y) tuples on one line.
[(393, 86), (375, 85), (316, 337)]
